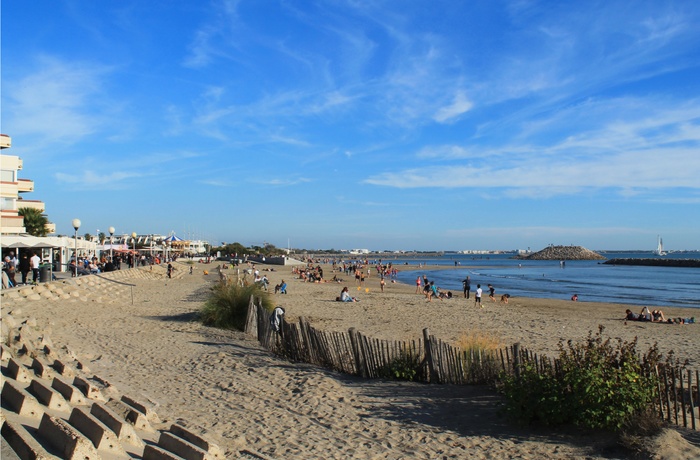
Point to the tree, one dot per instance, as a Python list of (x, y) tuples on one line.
[(88, 237), (102, 237), (34, 221)]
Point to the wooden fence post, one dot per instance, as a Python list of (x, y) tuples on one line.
[(354, 343), (432, 374), (251, 322), (516, 360)]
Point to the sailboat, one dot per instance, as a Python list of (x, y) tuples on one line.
[(660, 248)]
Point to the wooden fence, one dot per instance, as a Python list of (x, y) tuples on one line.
[(430, 360)]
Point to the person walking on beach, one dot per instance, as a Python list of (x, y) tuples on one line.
[(467, 285), (382, 283), (34, 263), (418, 290), (492, 293), (24, 268), (477, 296)]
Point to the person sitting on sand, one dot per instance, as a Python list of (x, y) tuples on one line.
[(657, 316), (574, 297), (281, 288), (346, 297), (644, 315), (505, 297), (433, 292)]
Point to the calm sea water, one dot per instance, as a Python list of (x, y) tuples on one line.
[(591, 280)]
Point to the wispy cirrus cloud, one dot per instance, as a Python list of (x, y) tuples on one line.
[(59, 102)]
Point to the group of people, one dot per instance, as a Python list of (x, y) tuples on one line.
[(655, 316), (11, 265)]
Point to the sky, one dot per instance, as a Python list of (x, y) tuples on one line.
[(381, 125)]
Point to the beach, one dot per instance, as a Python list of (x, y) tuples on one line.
[(142, 337)]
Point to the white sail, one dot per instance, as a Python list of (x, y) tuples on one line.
[(660, 247)]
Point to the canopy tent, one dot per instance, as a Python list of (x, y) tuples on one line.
[(173, 239), (176, 243)]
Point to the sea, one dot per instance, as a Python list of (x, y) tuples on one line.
[(591, 280)]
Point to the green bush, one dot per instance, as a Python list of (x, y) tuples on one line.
[(403, 367), (227, 306), (597, 384)]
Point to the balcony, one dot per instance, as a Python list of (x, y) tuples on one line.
[(25, 185), (5, 141), (12, 225), (33, 204)]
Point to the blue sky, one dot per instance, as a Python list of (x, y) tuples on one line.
[(440, 125)]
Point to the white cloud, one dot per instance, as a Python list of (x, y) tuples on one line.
[(459, 106), (59, 103)]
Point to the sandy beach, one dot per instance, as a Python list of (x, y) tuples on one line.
[(143, 338)]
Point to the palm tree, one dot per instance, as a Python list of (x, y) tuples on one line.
[(34, 221), (102, 237)]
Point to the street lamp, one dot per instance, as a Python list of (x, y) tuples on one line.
[(133, 258), (76, 226), (111, 244)]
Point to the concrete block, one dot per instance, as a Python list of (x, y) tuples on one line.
[(123, 430), (151, 452), (23, 443), (66, 440), (145, 410), (189, 436), (41, 369), (63, 368), (131, 415), (18, 371), (88, 389), (48, 396), (182, 448), (97, 432), (69, 392), (20, 401), (4, 350)]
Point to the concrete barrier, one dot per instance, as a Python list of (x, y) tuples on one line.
[(151, 452), (123, 430), (48, 396), (23, 443), (97, 432), (182, 448), (69, 392), (69, 442), (20, 401), (182, 432), (18, 371), (131, 415)]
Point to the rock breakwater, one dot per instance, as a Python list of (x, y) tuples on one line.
[(655, 262), (563, 253)]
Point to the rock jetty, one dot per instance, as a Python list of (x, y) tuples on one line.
[(563, 253), (655, 262)]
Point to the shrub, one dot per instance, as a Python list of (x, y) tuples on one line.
[(597, 384), (404, 367), (227, 306)]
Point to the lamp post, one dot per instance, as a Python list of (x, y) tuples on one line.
[(76, 226), (133, 258), (111, 244)]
